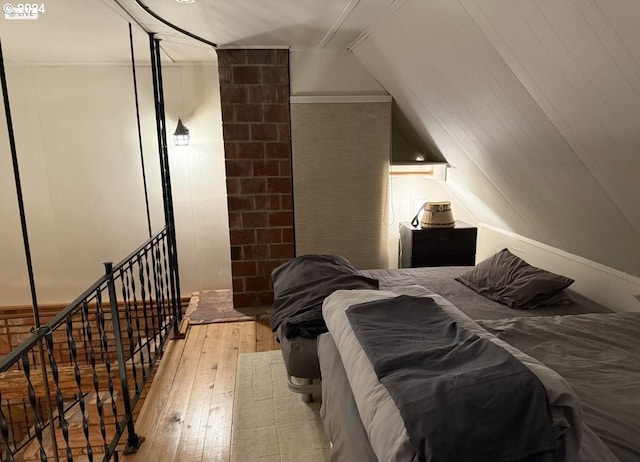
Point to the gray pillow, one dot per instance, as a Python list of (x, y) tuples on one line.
[(508, 279)]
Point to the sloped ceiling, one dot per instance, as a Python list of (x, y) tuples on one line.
[(88, 32), (263, 23), (96, 31), (535, 104)]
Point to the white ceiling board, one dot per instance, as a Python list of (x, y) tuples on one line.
[(188, 51), (612, 33), (95, 31), (623, 16), (69, 32), (586, 89), (360, 17), (267, 23), (463, 175), (500, 134)]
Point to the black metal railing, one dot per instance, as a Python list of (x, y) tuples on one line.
[(100, 352)]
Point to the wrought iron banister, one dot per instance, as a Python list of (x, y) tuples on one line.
[(101, 351), (103, 279)]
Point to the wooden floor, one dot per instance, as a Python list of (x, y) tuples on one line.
[(187, 414)]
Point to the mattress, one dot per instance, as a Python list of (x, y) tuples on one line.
[(300, 354), (613, 424), (381, 418), (339, 413), (344, 428), (441, 281)]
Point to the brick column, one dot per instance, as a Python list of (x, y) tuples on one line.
[(254, 92)]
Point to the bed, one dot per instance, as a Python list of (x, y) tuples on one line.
[(598, 370), (599, 356), (292, 280), (300, 287), (595, 413)]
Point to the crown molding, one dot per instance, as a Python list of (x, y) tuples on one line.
[(340, 99), (388, 12)]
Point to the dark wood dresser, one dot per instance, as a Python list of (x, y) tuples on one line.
[(437, 246)]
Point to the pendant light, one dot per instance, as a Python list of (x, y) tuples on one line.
[(181, 135)]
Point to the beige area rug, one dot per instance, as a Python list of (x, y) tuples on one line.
[(208, 306), (271, 423)]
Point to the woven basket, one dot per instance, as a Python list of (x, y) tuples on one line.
[(437, 215)]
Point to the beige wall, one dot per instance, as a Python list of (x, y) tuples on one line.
[(340, 167), (77, 145), (339, 73), (330, 72)]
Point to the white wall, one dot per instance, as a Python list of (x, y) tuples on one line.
[(198, 180), (329, 72), (77, 145)]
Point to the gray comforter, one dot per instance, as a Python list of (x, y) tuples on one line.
[(380, 416), (443, 377), (300, 286), (599, 356)]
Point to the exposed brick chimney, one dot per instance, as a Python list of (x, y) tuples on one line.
[(254, 92)]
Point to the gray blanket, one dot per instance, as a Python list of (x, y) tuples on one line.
[(599, 355), (381, 418), (444, 377), (301, 285)]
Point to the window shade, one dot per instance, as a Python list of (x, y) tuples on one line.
[(340, 178)]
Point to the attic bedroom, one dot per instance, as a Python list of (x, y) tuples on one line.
[(313, 133)]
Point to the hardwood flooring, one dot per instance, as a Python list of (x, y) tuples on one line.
[(187, 414)]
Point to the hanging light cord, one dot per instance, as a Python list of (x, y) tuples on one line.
[(173, 26), (135, 90), (27, 251), (16, 174)]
